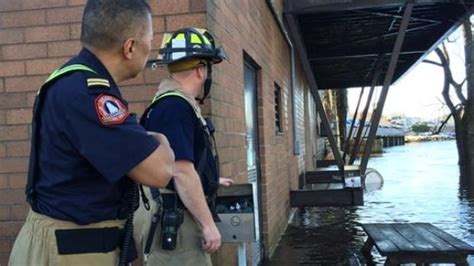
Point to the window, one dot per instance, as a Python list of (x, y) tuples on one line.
[(278, 113)]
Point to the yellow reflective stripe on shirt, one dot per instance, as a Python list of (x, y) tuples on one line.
[(173, 93), (98, 82), (61, 71)]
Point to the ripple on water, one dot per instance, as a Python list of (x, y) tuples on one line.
[(417, 188)]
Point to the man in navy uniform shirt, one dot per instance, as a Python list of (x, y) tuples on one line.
[(88, 150), (190, 54)]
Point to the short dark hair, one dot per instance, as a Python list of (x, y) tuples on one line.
[(107, 24)]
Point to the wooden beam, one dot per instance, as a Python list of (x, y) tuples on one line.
[(299, 46), (386, 85), (320, 6), (356, 56)]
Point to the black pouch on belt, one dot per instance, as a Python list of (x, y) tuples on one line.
[(90, 240)]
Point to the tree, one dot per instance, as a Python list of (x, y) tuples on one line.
[(420, 127), (462, 113)]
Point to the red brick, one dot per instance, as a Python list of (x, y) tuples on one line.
[(2, 84), (165, 7), (4, 216), (47, 33), (138, 93), (18, 148), (5, 245), (13, 165), (12, 196), (176, 22), (10, 228), (158, 24), (43, 66), (17, 181), (137, 108), (10, 5), (14, 133), (67, 48), (138, 80), (12, 100), (19, 212), (30, 99), (64, 15), (3, 181), (12, 68), (22, 18), (77, 2), (155, 76), (37, 4), (197, 5), (24, 51), (3, 150), (24, 84), (4, 257), (19, 116), (156, 44), (75, 31)]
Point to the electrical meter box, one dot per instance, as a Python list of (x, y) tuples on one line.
[(235, 208)]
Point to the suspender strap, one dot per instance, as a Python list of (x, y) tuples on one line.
[(33, 170)]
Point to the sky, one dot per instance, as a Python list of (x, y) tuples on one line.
[(418, 93)]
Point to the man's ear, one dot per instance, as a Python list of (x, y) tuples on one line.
[(128, 48), (201, 70)]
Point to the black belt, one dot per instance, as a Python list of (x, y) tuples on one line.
[(91, 240)]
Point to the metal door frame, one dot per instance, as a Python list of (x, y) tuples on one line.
[(253, 65)]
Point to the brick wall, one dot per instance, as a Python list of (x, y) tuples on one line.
[(36, 36), (248, 27)]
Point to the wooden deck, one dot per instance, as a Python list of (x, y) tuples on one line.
[(327, 186), (330, 174), (414, 243)]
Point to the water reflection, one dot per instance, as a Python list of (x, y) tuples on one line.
[(421, 184)]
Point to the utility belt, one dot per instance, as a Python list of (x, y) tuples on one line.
[(70, 238), (172, 218)]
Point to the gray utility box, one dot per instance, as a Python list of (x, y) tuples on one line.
[(235, 208)]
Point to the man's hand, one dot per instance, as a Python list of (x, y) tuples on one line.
[(211, 238), (225, 182)]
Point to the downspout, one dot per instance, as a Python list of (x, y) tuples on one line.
[(296, 142)]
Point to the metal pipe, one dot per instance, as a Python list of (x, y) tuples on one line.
[(386, 85), (296, 143)]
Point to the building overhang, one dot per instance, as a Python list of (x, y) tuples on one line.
[(344, 38)]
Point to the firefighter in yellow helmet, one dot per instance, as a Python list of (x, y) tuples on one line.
[(181, 229)]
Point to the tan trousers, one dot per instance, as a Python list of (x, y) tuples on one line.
[(36, 244), (189, 248)]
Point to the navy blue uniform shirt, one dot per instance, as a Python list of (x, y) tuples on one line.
[(88, 143), (175, 118)]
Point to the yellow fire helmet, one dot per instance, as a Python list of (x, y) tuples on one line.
[(189, 43)]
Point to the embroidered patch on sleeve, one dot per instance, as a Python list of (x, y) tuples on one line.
[(110, 109)]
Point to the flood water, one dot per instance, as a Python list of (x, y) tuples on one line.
[(421, 184)]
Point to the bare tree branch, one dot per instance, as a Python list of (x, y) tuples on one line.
[(458, 89), (432, 62), (446, 86), (459, 109)]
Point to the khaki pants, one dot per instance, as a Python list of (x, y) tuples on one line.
[(36, 244), (189, 248)]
